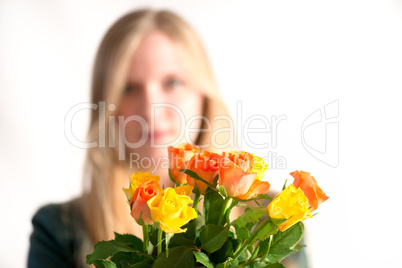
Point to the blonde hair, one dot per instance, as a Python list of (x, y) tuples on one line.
[(108, 81)]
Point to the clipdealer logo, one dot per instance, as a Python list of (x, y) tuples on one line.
[(323, 121), (262, 137)]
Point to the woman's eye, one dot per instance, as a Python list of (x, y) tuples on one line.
[(173, 83), (130, 89)]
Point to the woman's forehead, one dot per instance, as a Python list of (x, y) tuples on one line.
[(156, 55)]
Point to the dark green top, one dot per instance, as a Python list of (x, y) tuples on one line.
[(59, 238)]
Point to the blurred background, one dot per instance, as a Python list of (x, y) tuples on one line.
[(330, 72)]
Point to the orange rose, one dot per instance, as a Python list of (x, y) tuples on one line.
[(136, 179), (309, 185), (206, 165), (241, 173), (178, 159), (139, 206)]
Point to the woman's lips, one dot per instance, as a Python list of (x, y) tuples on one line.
[(158, 134)]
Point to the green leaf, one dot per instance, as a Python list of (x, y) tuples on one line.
[(275, 265), (299, 247), (106, 249), (228, 264), (199, 222), (195, 176), (232, 264), (285, 243), (249, 215), (256, 264), (129, 239), (222, 191), (203, 259), (126, 263), (284, 185), (190, 233), (168, 236), (126, 258), (213, 203), (171, 178), (263, 231), (180, 240), (229, 210), (213, 237), (178, 257), (104, 264), (254, 252), (141, 221), (264, 247), (245, 222), (153, 234), (196, 191), (279, 221), (250, 249), (243, 233), (244, 256), (258, 197), (215, 183), (223, 253), (235, 244), (139, 265), (187, 238)]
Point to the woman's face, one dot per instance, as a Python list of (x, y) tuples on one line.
[(158, 90)]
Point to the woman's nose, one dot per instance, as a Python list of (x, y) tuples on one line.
[(154, 101)]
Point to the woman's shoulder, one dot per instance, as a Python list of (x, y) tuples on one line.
[(59, 217), (59, 214), (58, 233)]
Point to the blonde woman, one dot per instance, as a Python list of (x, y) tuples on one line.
[(152, 86), (151, 79)]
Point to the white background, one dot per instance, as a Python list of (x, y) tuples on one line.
[(278, 57)]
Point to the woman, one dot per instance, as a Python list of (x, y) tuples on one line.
[(151, 78)]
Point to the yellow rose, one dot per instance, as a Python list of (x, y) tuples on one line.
[(171, 210), (290, 205), (184, 190), (259, 166), (137, 179)]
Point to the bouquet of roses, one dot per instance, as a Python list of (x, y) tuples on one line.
[(178, 233)]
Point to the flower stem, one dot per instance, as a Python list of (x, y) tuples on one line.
[(196, 201), (252, 239), (145, 235), (225, 206), (240, 251), (160, 232)]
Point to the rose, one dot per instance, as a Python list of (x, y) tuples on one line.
[(241, 173), (289, 207), (138, 204), (309, 185), (184, 190), (171, 210), (178, 159), (136, 179), (206, 165)]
